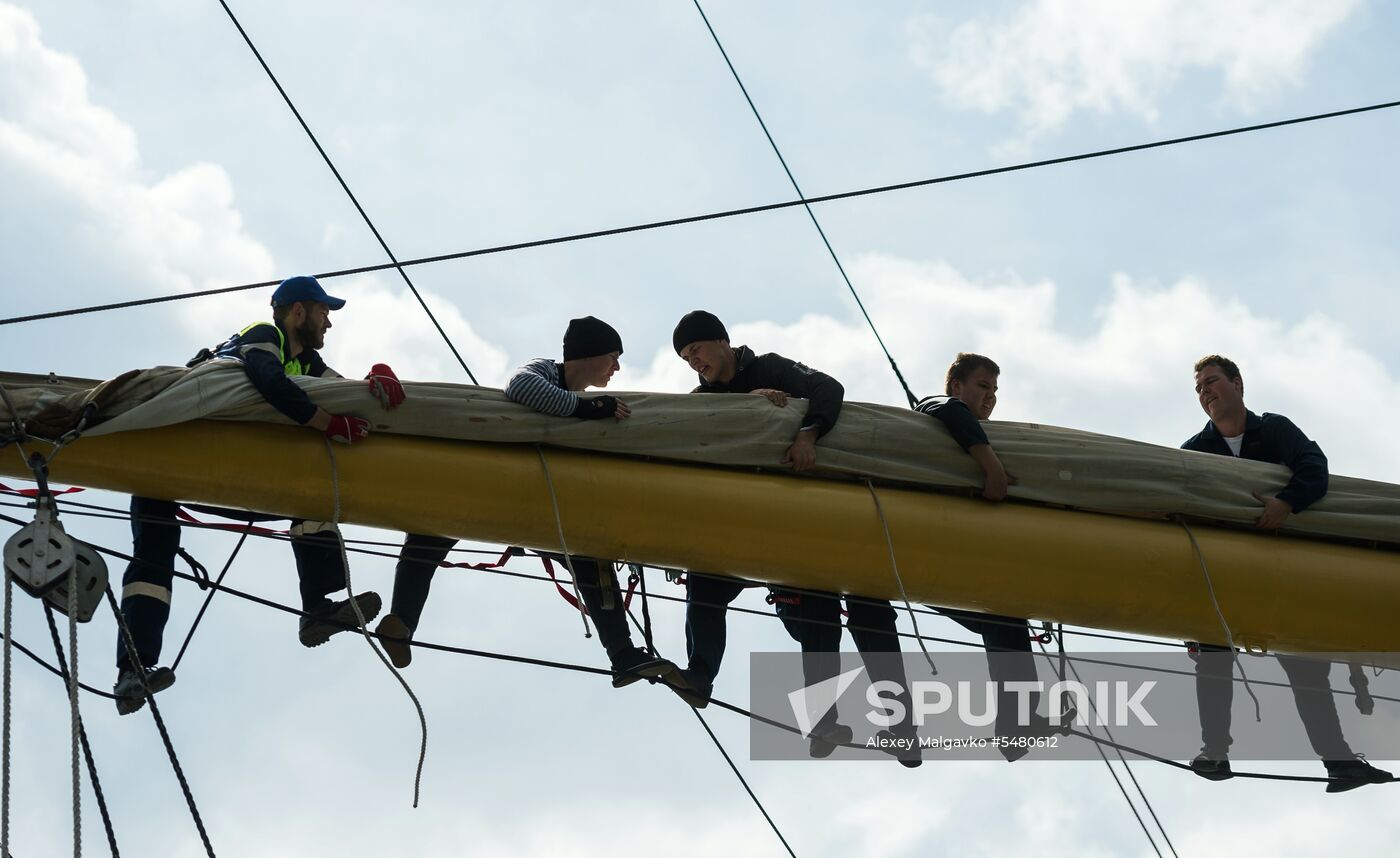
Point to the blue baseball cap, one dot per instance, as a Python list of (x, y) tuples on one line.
[(303, 288)]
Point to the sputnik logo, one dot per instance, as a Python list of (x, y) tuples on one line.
[(811, 702)]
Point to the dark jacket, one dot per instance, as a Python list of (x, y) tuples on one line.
[(962, 425), (756, 372), (262, 349), (1274, 438)]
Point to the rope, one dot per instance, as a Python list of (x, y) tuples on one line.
[(1224, 626), (1146, 802), (913, 400), (733, 767), (87, 748), (140, 669), (721, 704), (359, 208), (719, 215), (889, 544), (563, 544), (75, 719), (369, 639), (5, 752), (214, 588)]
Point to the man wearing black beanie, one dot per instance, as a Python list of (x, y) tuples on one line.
[(591, 351), (812, 619)]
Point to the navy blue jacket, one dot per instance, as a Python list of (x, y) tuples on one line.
[(965, 428), (262, 349), (756, 372), (1274, 438)]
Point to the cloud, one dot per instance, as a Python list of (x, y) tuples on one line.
[(179, 232), (1052, 58), (1124, 369)]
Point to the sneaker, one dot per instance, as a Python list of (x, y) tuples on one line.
[(395, 636), (910, 757), (1350, 774), (317, 627), (636, 663), (822, 744), (1214, 768), (691, 688), (130, 693), (1038, 728)]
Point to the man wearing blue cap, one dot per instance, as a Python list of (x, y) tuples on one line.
[(591, 351), (271, 353)]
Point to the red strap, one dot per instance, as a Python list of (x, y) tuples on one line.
[(569, 597), (480, 567), (565, 594), (236, 528), (34, 493)]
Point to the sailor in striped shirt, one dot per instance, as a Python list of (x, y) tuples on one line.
[(591, 351)]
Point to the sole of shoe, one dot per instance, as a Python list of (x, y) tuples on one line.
[(343, 620), (654, 669), (822, 746), (687, 692), (158, 680), (394, 636), (1213, 774)]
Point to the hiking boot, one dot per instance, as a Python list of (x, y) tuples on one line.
[(1350, 774), (395, 636), (1215, 768), (317, 626), (130, 693), (690, 687), (825, 740), (910, 757), (636, 663)]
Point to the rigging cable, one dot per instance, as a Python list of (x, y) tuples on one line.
[(913, 400), (719, 215), (87, 747), (582, 668), (1127, 768), (394, 261), (362, 622)]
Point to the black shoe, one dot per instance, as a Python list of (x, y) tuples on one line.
[(130, 693), (395, 636), (317, 627), (825, 740), (636, 663), (1038, 728), (910, 757), (690, 687), (1213, 768), (1350, 774)]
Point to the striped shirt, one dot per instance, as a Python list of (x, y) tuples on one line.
[(539, 384)]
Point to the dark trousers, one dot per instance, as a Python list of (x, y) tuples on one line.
[(155, 540), (1008, 644), (707, 601), (814, 621), (419, 559), (1312, 694)]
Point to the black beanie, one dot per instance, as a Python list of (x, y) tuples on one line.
[(695, 326), (589, 337)]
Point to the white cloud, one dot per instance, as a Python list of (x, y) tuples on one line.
[(179, 232), (1126, 370), (1052, 58)]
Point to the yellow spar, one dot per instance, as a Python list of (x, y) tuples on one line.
[(1081, 568)]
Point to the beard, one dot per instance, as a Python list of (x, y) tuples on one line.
[(309, 337)]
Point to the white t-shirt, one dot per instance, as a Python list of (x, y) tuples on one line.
[(1235, 442)]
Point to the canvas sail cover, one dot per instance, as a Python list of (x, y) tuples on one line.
[(1054, 465)]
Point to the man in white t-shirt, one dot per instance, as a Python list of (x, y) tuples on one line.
[(1234, 430)]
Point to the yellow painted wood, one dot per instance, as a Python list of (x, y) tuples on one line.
[(1081, 568)]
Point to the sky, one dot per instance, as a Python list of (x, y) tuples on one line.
[(143, 153)]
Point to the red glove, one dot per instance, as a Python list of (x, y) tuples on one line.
[(347, 429), (384, 386)]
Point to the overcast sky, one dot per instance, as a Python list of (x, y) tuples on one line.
[(143, 152)]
